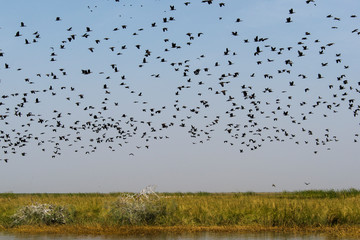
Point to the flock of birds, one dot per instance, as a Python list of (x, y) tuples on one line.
[(211, 94)]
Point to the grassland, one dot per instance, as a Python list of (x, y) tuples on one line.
[(333, 212)]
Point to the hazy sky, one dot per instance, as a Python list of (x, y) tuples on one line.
[(185, 104)]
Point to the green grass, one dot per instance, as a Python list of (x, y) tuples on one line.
[(304, 209)]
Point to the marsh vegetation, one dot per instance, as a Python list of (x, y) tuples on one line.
[(287, 210)]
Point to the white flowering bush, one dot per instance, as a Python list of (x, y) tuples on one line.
[(47, 214), (141, 208)]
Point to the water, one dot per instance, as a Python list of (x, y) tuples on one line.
[(198, 236)]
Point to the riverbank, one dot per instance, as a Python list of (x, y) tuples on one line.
[(330, 212), (337, 231)]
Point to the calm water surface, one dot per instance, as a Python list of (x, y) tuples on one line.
[(200, 236)]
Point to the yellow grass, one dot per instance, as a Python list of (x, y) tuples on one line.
[(330, 212), (154, 230)]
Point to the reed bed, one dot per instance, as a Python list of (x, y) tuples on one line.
[(287, 210)]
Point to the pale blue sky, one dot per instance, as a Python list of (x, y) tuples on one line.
[(181, 162)]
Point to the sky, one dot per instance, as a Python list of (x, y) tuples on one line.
[(203, 102)]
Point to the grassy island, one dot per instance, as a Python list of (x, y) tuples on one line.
[(331, 212)]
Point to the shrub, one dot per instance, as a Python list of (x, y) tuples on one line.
[(145, 207), (47, 214)]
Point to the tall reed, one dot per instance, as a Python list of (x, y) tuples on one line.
[(286, 209)]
